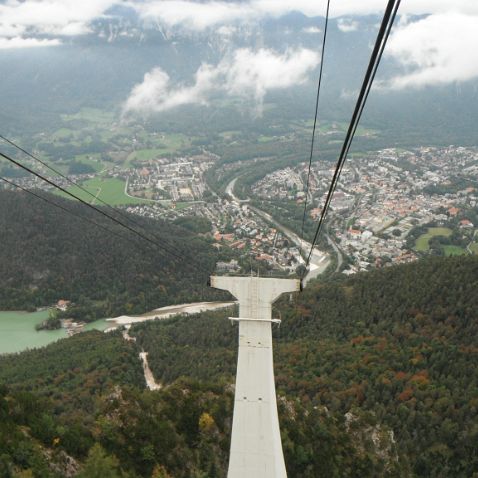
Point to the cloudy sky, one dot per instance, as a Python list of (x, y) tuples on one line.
[(437, 48)]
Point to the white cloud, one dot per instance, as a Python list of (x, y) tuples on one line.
[(194, 15), (312, 30), (58, 18), (155, 93), (51, 17), (255, 73), (245, 73), (201, 15), (18, 42), (227, 30), (415, 7), (436, 50), (347, 25)]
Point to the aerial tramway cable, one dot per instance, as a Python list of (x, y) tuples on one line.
[(64, 209), (382, 37), (97, 198), (389, 29), (315, 122), (103, 213)]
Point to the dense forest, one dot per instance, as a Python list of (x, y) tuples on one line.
[(79, 408), (48, 255), (376, 376), (400, 344)]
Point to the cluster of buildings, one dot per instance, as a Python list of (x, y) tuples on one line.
[(284, 183), (238, 227), (382, 196), (178, 179), (396, 191)]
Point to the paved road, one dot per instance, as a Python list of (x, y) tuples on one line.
[(338, 252)]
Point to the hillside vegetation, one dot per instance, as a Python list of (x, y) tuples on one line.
[(399, 345), (47, 255), (376, 376)]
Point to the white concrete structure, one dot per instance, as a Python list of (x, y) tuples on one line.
[(256, 448)]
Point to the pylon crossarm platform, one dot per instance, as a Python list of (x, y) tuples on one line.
[(240, 319)]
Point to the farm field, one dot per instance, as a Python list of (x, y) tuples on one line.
[(265, 139), (91, 115), (144, 154), (110, 190), (182, 205), (422, 245), (163, 145)]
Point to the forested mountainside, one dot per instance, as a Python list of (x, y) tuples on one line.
[(375, 378), (47, 255), (79, 408), (399, 345)]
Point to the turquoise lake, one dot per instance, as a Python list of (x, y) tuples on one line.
[(17, 331)]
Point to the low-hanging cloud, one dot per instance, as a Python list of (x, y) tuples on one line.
[(347, 25), (29, 19), (245, 73), (23, 20), (199, 15), (156, 93), (312, 30), (436, 50)]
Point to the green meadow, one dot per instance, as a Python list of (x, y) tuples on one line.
[(422, 243)]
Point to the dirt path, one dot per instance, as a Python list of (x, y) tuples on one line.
[(148, 375)]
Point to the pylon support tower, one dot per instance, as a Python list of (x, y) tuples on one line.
[(256, 448)]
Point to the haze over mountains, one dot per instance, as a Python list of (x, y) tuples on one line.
[(138, 65)]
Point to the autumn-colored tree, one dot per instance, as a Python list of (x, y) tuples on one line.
[(206, 422), (160, 472)]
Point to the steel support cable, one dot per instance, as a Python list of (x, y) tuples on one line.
[(51, 183), (315, 123), (384, 43), (59, 206), (73, 183), (382, 37), (138, 244)]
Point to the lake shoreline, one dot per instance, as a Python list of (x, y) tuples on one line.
[(18, 328)]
